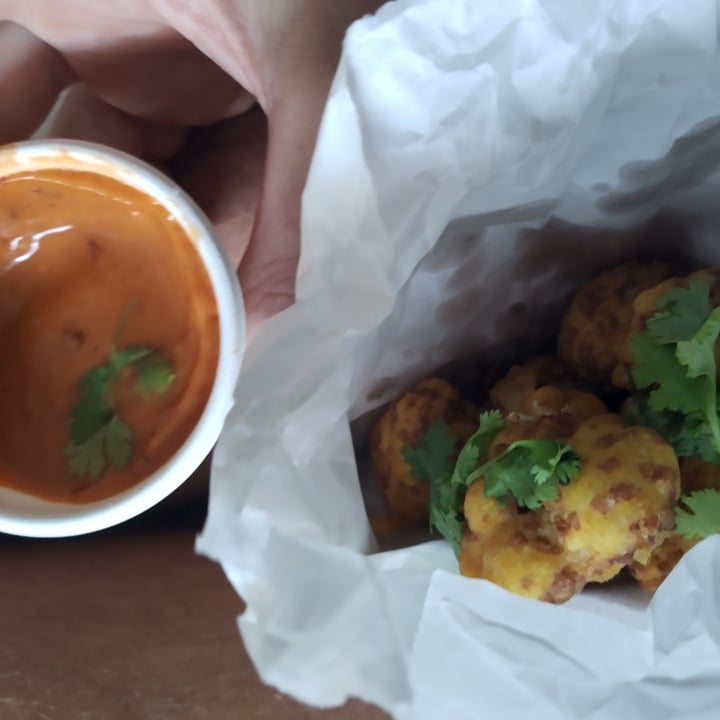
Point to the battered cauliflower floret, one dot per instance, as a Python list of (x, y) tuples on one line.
[(404, 423), (622, 504), (595, 328), (518, 551), (548, 412), (644, 306), (695, 475), (617, 510), (509, 393), (558, 401)]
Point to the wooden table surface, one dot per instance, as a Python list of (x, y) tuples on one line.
[(130, 624)]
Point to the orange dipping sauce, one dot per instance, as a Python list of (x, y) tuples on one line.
[(88, 264)]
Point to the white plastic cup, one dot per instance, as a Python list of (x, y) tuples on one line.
[(30, 516)]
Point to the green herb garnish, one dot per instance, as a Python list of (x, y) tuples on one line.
[(688, 437), (674, 360), (433, 455), (448, 487), (98, 436), (530, 471), (703, 519)]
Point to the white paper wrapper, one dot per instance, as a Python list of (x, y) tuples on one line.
[(477, 162)]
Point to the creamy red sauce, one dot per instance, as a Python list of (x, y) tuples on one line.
[(77, 251)]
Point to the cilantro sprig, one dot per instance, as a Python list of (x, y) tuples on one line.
[(703, 517), (689, 437), (98, 436), (433, 455), (674, 359), (449, 482), (529, 471), (674, 362)]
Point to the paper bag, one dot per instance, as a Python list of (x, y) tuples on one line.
[(477, 162)]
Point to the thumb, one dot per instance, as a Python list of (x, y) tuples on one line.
[(286, 54), (298, 79), (269, 266)]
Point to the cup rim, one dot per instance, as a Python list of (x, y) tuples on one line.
[(40, 518)]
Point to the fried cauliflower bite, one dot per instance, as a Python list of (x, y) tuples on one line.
[(509, 393), (644, 306), (518, 551), (622, 504), (618, 509), (548, 412), (404, 423), (561, 402), (521, 551), (595, 328), (695, 475)]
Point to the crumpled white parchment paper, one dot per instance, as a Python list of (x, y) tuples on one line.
[(477, 161)]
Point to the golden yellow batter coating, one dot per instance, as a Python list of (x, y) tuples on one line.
[(595, 328), (695, 475), (548, 412), (618, 509), (622, 504), (404, 423), (518, 551), (509, 393)]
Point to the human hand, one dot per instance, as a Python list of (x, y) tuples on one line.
[(163, 81)]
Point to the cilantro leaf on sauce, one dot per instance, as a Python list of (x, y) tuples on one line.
[(98, 436)]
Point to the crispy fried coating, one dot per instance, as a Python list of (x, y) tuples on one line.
[(518, 551), (404, 423), (548, 412), (510, 391), (695, 475), (618, 509), (595, 328), (561, 402), (622, 505), (644, 306)]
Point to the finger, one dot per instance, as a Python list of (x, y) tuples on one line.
[(32, 76), (296, 83), (285, 53), (221, 167), (164, 80), (268, 268), (128, 55), (82, 115)]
